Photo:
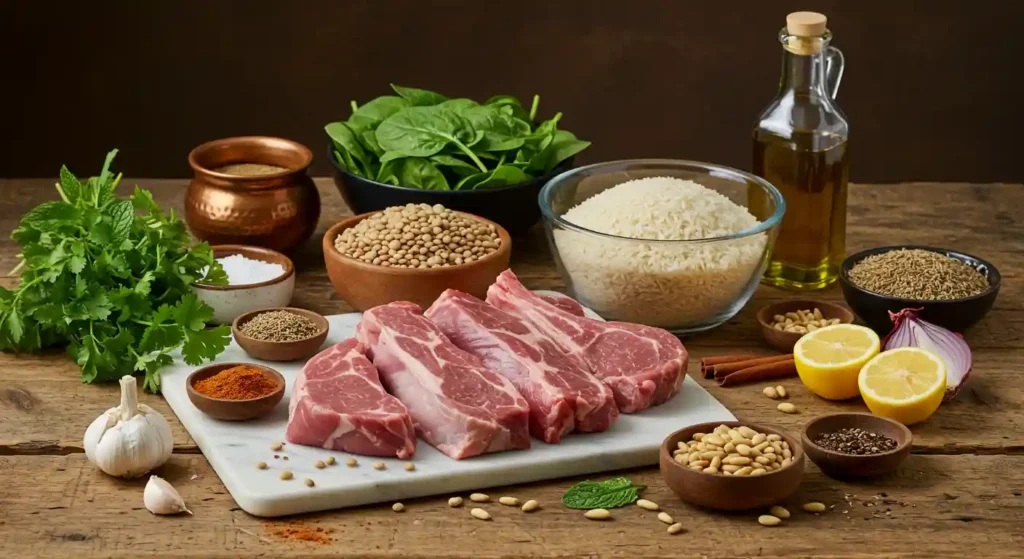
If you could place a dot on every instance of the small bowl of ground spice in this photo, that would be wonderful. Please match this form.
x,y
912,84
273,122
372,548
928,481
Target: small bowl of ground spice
x,y
952,289
847,445
280,333
235,391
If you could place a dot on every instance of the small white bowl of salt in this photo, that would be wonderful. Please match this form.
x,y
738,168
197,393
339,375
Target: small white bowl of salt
x,y
257,278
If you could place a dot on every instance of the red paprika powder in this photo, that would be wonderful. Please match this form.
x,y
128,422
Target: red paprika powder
x,y
242,382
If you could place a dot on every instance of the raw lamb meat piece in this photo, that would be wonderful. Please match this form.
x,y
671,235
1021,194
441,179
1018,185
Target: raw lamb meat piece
x,y
644,366
562,393
338,403
456,404
566,303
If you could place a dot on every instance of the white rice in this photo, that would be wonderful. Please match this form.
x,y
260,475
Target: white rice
x,y
671,285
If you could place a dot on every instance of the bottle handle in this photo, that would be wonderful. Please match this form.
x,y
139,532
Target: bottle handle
x,y
834,63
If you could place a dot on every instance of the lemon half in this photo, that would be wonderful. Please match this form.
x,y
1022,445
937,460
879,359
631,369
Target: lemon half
x,y
905,384
829,359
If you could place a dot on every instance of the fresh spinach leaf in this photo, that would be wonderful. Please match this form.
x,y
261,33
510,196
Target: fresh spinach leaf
x,y
563,146
416,172
502,132
345,140
419,97
503,175
369,140
452,161
373,113
459,104
613,493
425,131
511,103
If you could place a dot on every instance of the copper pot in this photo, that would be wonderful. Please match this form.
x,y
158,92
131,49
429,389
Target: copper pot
x,y
278,211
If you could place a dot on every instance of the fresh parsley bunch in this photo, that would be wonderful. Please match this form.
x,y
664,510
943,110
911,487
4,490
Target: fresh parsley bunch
x,y
421,139
110,278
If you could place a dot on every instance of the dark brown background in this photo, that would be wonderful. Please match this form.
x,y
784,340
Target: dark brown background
x,y
932,89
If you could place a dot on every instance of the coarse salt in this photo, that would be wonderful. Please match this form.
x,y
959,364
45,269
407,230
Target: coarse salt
x,y
242,270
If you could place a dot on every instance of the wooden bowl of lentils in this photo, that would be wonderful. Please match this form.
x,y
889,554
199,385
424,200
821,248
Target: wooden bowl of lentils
x,y
953,290
413,253
280,333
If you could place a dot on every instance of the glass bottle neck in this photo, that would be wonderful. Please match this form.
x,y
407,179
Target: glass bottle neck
x,y
804,73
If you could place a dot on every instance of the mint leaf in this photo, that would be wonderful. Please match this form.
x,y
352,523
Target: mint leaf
x,y
70,186
613,493
122,214
105,182
49,214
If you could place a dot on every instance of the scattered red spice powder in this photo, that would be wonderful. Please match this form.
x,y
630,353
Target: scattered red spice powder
x,y
298,532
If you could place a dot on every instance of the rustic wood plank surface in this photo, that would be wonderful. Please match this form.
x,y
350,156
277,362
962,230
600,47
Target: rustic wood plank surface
x,y
962,488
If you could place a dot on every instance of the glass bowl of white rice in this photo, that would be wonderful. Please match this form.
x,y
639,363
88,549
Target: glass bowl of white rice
x,y
676,244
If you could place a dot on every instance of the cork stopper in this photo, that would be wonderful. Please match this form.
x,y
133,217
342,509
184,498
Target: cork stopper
x,y
806,24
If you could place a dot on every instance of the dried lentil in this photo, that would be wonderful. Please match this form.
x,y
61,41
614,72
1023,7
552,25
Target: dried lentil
x,y
418,236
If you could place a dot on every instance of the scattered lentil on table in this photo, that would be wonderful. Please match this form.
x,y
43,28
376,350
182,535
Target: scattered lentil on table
x,y
241,382
418,236
852,440
918,274
279,326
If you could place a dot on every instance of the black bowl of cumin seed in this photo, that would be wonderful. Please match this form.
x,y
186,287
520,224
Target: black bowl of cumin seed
x,y
953,289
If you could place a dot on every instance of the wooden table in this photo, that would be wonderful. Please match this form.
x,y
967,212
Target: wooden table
x,y
959,494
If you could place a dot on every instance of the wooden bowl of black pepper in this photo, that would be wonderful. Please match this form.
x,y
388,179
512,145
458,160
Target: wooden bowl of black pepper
x,y
953,297
280,333
853,445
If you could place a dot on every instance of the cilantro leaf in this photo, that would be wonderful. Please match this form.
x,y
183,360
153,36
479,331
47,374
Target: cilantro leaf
x,y
13,326
191,313
205,344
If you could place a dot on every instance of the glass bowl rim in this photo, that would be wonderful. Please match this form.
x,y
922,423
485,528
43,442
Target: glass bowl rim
x,y
710,168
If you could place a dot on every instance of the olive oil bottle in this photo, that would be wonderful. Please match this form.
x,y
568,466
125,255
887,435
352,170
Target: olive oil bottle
x,y
801,147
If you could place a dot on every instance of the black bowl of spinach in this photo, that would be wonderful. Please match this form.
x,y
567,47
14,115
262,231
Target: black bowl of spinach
x,y
489,159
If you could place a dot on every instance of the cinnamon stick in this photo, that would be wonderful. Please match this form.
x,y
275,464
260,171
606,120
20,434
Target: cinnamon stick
x,y
757,373
727,369
707,365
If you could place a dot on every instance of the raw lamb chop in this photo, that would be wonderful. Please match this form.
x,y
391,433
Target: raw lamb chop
x,y
338,403
644,366
456,404
566,303
562,393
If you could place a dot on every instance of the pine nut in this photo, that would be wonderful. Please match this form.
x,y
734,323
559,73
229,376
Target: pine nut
x,y
480,514
701,463
598,514
743,449
736,461
773,437
730,469
712,454
780,512
682,459
758,471
716,463
762,460
666,518
747,432
714,439
509,501
682,446
814,507
744,471
781,391
455,502
770,392
786,407
479,498
530,506
675,528
277,446
758,439
398,507
697,437
787,454
762,446
768,520
647,505
729,447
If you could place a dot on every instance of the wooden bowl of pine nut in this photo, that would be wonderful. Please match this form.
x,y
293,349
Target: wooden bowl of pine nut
x,y
803,315
744,487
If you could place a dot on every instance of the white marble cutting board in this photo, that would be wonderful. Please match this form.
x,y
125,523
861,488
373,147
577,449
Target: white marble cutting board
x,y
234,449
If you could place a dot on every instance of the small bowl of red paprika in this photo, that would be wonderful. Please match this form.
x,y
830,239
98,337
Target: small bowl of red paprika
x,y
235,391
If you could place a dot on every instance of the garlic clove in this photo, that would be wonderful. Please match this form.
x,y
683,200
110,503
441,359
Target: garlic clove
x,y
160,497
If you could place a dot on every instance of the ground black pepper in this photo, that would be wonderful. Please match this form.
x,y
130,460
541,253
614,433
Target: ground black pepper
x,y
855,441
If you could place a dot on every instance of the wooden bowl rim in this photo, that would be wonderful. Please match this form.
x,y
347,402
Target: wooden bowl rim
x,y
193,378
908,436
331,252
846,318
320,320
254,253
794,446
993,276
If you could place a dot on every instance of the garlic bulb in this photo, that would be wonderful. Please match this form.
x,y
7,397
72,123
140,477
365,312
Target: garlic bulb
x,y
160,497
131,439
